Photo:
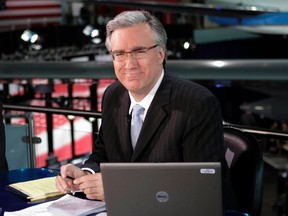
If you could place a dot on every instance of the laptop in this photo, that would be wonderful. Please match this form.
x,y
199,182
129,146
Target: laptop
x,y
168,189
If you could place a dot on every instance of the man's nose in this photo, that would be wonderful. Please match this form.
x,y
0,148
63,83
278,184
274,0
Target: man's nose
x,y
129,55
130,60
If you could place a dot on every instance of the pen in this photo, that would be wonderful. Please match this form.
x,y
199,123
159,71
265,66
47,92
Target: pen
x,y
57,172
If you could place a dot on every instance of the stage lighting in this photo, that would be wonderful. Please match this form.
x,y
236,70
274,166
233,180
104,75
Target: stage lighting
x,y
90,31
29,36
96,40
32,40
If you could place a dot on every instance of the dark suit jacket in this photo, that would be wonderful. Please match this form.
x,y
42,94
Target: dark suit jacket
x,y
182,124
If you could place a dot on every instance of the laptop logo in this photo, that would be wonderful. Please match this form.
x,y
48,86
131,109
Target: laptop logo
x,y
162,196
207,171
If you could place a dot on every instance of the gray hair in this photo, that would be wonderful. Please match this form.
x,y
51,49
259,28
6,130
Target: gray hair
x,y
130,18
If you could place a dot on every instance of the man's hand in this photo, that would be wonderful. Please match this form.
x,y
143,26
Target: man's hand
x,y
65,184
91,185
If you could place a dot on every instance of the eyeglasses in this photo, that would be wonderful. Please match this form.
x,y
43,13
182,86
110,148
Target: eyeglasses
x,y
136,54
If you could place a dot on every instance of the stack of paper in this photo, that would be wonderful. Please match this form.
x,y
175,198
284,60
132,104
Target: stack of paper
x,y
67,205
36,190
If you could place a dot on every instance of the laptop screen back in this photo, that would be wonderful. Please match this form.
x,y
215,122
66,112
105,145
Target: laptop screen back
x,y
170,189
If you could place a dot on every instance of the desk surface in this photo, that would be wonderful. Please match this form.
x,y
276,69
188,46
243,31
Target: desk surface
x,y
10,201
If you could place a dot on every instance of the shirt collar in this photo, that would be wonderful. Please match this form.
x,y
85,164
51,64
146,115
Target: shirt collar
x,y
145,103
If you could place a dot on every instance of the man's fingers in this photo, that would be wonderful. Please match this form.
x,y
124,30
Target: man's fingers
x,y
61,185
65,185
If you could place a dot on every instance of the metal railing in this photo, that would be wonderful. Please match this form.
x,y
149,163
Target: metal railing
x,y
31,139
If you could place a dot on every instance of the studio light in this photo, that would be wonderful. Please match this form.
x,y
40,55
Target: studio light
x,y
32,39
92,33
96,40
186,45
29,36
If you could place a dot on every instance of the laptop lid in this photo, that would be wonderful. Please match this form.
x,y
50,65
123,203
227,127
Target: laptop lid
x,y
170,189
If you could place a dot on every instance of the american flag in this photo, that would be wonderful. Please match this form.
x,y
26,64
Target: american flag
x,y
17,14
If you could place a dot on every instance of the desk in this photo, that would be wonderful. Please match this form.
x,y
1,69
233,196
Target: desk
x,y
10,201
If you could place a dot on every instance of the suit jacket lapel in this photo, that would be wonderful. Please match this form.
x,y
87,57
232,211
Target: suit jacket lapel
x,y
124,127
155,115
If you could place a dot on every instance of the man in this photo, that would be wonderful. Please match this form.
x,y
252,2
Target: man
x,y
181,120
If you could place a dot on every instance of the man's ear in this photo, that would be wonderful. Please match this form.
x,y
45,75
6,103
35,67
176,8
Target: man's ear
x,y
161,55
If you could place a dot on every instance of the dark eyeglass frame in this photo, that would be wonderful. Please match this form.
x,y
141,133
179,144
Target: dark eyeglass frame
x,y
136,54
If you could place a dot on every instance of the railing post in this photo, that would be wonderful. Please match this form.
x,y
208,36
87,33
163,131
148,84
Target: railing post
x,y
52,159
71,120
94,101
31,142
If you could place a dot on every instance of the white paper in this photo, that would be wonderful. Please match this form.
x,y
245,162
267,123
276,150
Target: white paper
x,y
65,206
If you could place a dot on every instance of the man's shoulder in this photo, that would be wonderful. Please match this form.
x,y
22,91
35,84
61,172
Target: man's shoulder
x,y
115,91
186,86
115,87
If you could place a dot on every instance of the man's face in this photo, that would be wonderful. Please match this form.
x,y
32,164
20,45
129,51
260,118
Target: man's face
x,y
137,75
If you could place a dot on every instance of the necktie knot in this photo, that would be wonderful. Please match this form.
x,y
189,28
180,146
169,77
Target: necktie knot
x,y
137,110
136,123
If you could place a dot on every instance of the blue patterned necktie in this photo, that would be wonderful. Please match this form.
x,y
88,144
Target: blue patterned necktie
x,y
136,123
